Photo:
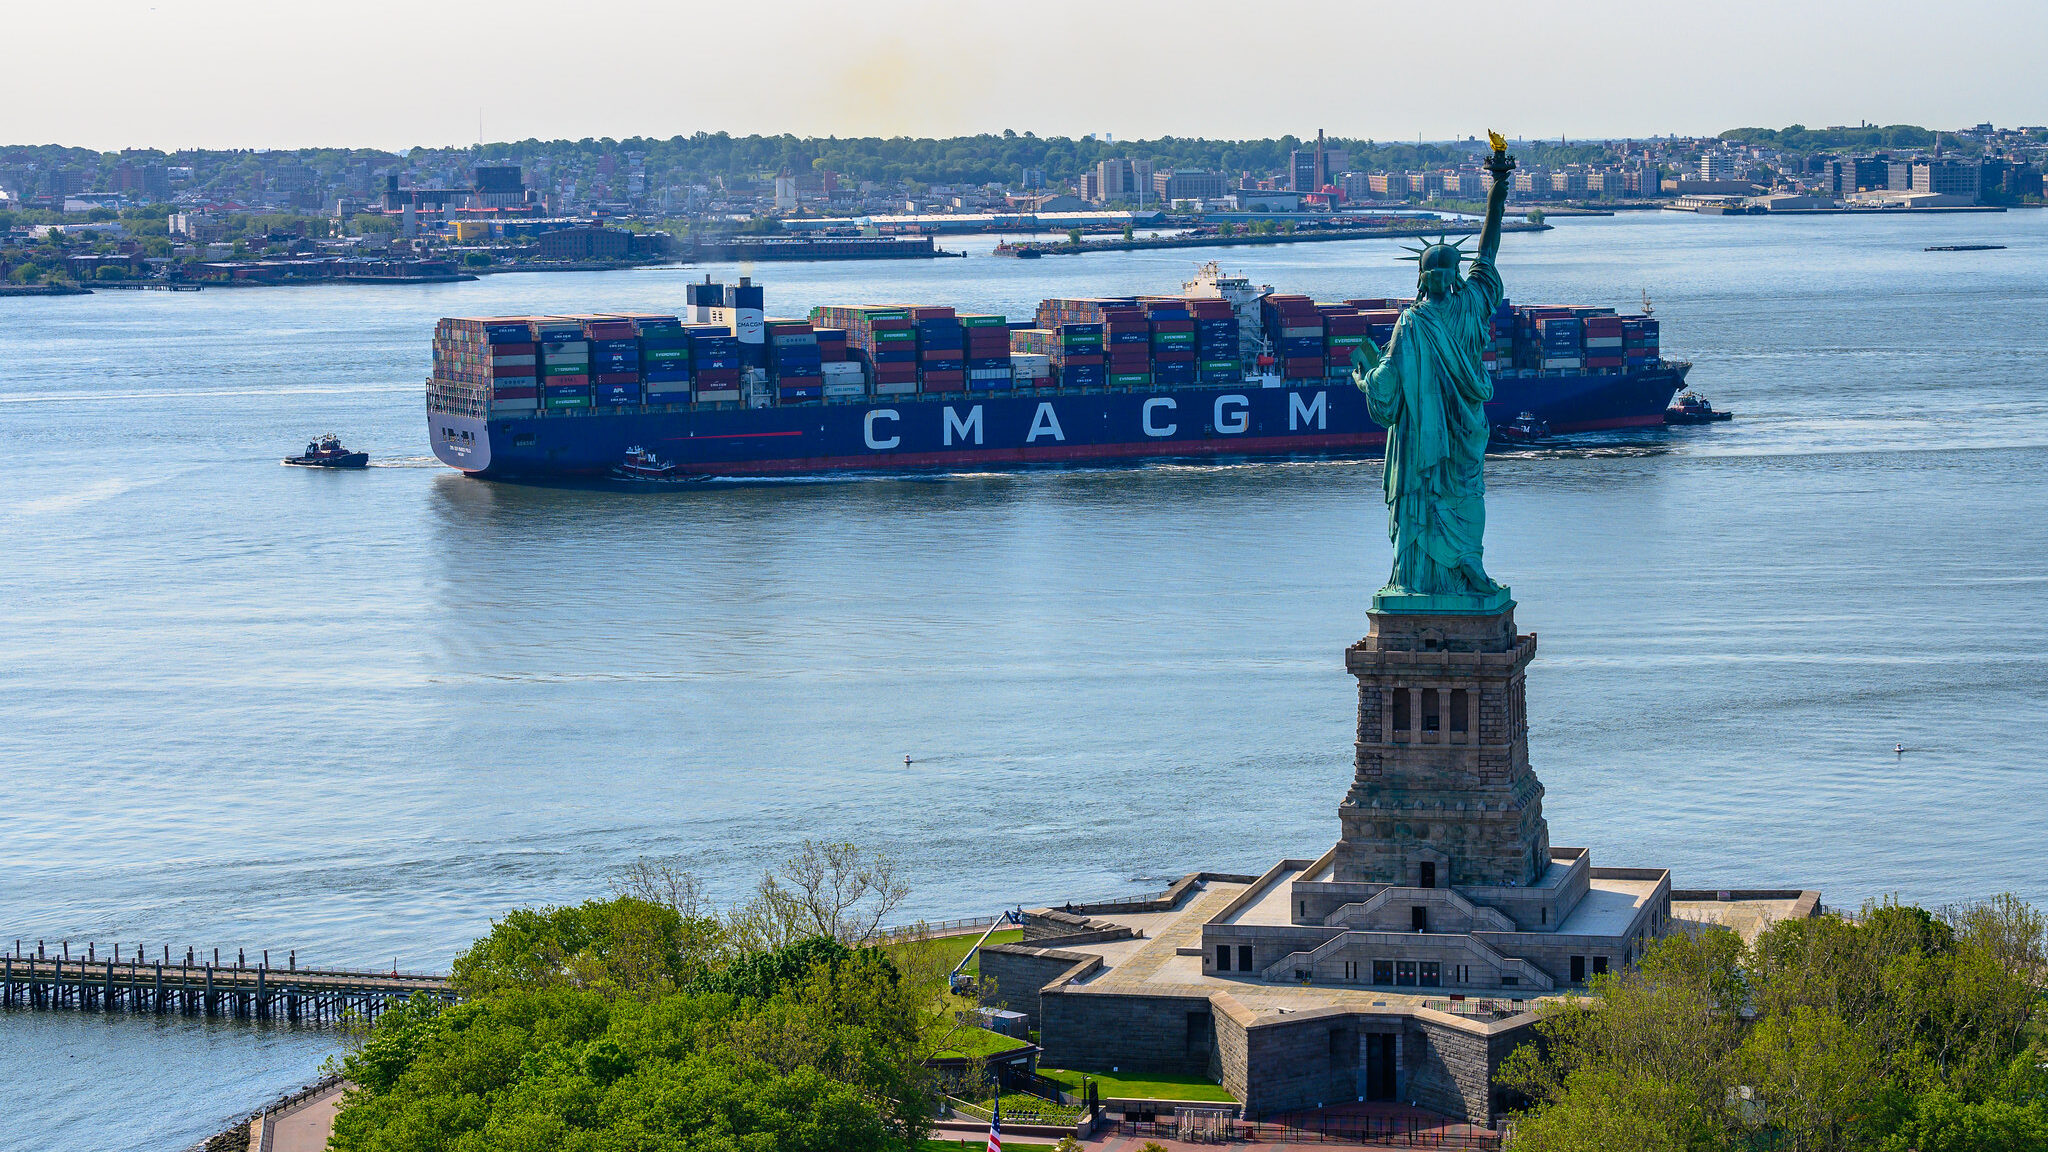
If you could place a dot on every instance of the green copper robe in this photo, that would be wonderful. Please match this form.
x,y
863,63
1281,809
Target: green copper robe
x,y
1430,393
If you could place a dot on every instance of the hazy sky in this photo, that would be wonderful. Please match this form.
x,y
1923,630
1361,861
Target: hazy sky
x,y
234,73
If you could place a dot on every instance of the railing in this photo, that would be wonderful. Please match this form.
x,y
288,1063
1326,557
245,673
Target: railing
x,y
937,928
1366,1131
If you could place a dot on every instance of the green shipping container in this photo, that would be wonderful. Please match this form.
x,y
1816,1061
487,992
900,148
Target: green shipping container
x,y
896,334
1347,341
1219,365
668,354
1131,379
568,401
983,321
1173,339
579,368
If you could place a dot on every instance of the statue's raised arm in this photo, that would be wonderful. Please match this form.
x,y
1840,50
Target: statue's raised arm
x,y
1499,163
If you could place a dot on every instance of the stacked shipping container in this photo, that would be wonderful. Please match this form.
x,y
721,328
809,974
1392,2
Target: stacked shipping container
x,y
521,364
494,355
880,339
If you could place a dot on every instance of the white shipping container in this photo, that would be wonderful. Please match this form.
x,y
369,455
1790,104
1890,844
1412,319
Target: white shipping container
x,y
1591,342
1300,333
796,339
988,373
841,391
716,395
512,361
571,347
897,388
526,405
1021,361
842,370
1564,362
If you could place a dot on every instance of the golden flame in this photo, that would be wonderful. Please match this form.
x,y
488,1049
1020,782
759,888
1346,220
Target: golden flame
x,y
1498,141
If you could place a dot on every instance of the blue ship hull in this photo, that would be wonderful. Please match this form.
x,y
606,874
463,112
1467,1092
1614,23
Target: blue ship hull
x,y
984,431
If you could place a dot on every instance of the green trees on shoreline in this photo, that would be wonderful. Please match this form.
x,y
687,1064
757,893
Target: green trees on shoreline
x,y
1896,1030
651,1021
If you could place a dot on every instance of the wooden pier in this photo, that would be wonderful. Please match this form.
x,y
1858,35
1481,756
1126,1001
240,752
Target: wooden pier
x,y
189,987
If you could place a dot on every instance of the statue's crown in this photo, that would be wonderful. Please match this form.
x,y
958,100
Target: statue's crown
x,y
1444,253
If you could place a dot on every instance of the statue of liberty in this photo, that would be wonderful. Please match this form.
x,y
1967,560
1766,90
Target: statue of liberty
x,y
1429,390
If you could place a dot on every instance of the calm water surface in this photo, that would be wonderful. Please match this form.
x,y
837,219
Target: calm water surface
x,y
359,715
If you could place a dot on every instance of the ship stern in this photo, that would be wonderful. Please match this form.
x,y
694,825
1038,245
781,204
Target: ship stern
x,y
462,442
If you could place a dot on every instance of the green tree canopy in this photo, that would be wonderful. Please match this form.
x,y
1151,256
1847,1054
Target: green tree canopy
x,y
1895,1031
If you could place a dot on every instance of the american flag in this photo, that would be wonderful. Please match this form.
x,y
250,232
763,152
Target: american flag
x,y
995,1127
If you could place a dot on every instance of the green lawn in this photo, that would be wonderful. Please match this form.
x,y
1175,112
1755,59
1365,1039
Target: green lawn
x,y
978,1145
1155,1087
952,948
967,1042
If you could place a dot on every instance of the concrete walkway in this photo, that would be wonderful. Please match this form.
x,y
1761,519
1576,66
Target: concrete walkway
x,y
305,1126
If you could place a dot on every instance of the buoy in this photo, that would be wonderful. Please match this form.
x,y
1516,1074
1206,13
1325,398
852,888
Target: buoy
x,y
1899,748
906,760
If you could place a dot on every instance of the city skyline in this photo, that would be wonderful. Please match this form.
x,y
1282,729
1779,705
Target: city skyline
x,y
170,75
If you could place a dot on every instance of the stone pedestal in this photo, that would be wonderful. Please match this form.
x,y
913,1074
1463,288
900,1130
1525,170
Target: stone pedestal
x,y
1443,795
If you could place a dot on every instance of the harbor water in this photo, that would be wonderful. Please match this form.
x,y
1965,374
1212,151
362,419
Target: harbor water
x,y
358,715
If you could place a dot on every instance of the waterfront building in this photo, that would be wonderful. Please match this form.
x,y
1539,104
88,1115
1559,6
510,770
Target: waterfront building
x,y
1948,177
1187,184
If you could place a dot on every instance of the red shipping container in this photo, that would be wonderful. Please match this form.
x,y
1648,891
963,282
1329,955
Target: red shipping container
x,y
569,381
1173,355
514,349
930,385
511,370
617,378
931,312
894,373
1603,361
706,378
1173,325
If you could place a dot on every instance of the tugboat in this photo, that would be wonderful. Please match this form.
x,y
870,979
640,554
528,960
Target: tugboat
x,y
1692,408
643,466
327,452
1523,429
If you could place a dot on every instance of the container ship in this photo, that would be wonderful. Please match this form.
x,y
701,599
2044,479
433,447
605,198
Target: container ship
x,y
1222,370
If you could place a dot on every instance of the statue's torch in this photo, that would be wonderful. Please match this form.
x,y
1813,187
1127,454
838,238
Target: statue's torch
x,y
1500,163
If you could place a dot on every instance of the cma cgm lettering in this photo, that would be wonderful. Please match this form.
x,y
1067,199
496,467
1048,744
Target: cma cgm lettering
x,y
923,433
883,388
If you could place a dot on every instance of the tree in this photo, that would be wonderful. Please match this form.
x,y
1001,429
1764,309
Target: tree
x,y
839,890
1074,236
1129,232
622,946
